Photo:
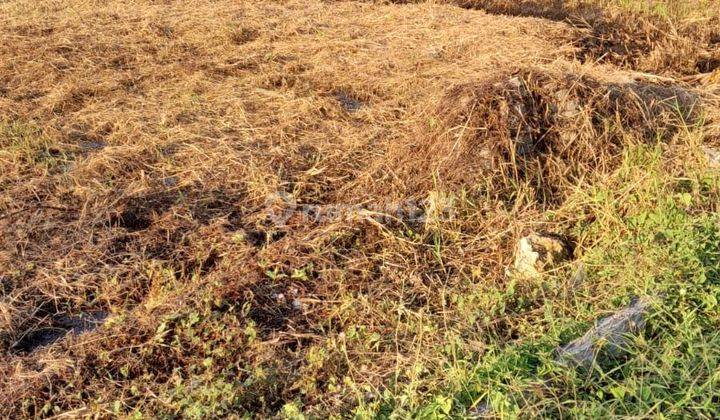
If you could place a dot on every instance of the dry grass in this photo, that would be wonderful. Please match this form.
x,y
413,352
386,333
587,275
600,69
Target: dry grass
x,y
140,145
546,129
656,36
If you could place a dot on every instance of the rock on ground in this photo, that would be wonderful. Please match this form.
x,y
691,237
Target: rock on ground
x,y
608,338
537,253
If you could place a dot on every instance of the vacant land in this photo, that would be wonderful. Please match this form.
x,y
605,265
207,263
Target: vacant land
x,y
313,208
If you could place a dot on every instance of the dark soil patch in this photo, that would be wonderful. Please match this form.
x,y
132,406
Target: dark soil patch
x,y
273,307
348,103
58,327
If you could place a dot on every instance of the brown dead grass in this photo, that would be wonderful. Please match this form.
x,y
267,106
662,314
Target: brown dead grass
x,y
543,128
657,36
140,144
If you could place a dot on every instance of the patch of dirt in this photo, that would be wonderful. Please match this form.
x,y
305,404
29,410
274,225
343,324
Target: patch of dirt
x,y
708,65
57,328
348,103
272,307
243,35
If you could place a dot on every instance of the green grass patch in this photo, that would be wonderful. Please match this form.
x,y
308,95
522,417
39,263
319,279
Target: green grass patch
x,y
652,234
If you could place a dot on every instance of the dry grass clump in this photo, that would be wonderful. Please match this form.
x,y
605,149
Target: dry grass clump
x,y
658,37
543,128
655,36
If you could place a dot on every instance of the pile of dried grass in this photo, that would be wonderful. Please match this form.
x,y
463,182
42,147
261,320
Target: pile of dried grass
x,y
674,38
541,127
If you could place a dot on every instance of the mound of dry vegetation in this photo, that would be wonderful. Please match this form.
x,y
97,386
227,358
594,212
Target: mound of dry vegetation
x,y
262,207
653,36
544,128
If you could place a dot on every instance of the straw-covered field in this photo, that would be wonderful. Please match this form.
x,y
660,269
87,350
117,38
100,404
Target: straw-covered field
x,y
312,209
